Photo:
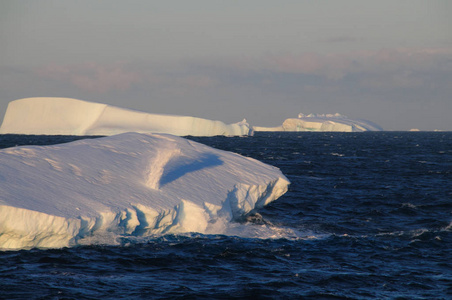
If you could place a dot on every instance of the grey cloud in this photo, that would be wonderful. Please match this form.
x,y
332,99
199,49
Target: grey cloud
x,y
344,39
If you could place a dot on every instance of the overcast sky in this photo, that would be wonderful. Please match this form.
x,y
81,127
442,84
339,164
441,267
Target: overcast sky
x,y
389,62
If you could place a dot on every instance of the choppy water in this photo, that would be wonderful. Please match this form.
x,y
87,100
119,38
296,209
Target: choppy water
x,y
367,216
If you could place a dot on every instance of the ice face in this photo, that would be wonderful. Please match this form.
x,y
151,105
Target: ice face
x,y
76,117
128,184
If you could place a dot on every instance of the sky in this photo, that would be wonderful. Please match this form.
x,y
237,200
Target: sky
x,y
387,61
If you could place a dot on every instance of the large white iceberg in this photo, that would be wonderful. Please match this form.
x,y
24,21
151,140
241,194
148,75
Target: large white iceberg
x,y
323,122
129,184
65,116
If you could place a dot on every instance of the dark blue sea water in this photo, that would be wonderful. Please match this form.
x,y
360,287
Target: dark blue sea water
x,y
369,216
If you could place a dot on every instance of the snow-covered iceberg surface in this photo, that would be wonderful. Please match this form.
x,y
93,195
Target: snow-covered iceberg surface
x,y
323,122
65,116
129,184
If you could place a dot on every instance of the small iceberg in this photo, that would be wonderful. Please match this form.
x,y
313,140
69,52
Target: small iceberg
x,y
323,122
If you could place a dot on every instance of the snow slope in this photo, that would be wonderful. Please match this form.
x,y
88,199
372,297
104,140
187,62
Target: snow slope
x,y
129,184
323,122
67,116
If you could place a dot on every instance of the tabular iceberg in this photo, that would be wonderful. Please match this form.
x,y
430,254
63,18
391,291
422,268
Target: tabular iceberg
x,y
129,184
65,116
323,122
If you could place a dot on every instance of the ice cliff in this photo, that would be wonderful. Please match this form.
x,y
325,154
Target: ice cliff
x,y
129,184
65,116
323,122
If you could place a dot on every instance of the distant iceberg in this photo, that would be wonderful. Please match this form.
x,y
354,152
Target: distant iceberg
x,y
323,122
65,116
129,184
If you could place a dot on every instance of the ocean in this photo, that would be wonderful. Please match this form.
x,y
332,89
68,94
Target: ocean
x,y
367,216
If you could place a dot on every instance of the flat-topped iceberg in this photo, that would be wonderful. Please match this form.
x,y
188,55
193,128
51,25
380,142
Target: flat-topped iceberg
x,y
65,116
323,122
129,184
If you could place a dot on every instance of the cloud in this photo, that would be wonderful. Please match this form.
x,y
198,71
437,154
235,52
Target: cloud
x,y
103,78
344,39
93,77
405,80
395,67
384,68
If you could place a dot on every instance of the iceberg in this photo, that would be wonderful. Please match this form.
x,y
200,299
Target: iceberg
x,y
323,122
129,184
66,116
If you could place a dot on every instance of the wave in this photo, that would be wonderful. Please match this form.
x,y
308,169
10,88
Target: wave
x,y
221,227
